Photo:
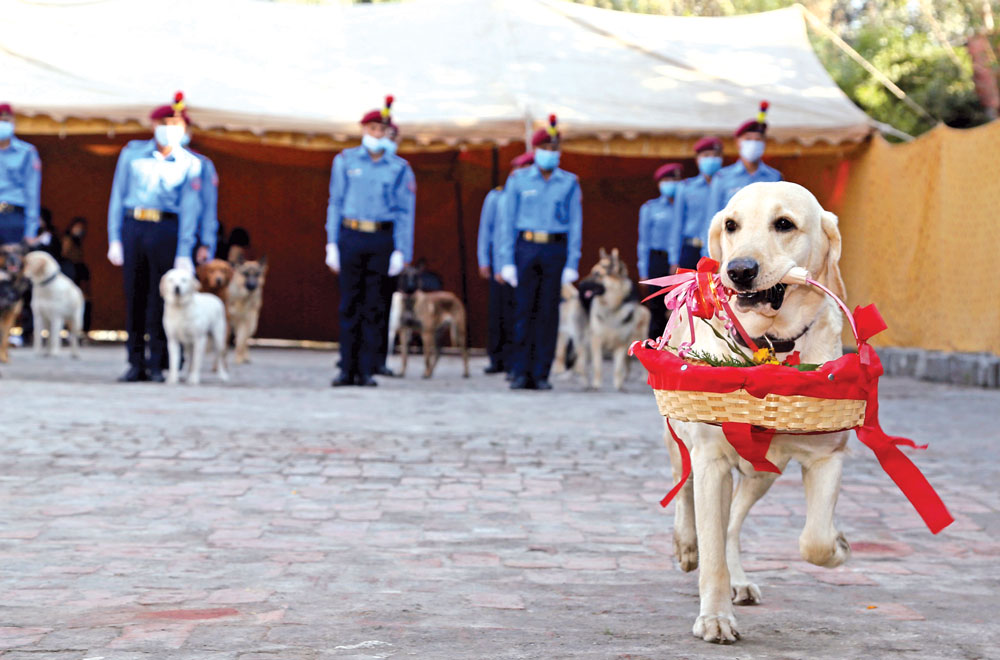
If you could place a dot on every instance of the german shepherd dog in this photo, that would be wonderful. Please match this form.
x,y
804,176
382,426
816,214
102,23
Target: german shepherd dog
x,y
427,312
13,286
243,303
616,317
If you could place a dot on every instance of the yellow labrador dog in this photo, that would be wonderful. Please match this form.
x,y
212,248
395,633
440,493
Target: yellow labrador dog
x,y
190,319
56,302
764,231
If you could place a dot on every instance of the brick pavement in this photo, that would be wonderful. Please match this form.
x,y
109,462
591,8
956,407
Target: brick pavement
x,y
278,519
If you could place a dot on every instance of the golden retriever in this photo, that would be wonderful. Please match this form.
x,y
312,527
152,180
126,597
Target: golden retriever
x,y
764,231
56,302
214,277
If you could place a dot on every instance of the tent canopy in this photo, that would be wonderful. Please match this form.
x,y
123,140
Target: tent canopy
x,y
462,71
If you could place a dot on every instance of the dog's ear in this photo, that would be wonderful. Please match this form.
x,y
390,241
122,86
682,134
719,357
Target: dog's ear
x,y
715,236
263,262
614,254
602,253
830,275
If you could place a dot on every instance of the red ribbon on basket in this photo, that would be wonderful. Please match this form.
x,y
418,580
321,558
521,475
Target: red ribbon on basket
x,y
853,376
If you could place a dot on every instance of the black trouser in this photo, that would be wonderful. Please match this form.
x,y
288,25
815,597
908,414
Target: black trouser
x,y
690,254
500,324
149,250
536,315
659,266
364,262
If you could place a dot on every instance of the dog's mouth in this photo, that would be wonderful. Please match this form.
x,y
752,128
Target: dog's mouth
x,y
774,297
590,288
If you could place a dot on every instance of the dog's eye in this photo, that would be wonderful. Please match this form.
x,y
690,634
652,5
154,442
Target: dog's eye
x,y
783,224
731,226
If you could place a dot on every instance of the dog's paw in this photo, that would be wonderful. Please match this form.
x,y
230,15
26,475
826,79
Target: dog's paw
x,y
746,594
686,554
827,555
718,629
224,376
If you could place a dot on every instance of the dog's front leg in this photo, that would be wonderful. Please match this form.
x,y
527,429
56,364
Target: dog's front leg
x,y
173,360
621,368
596,359
430,351
685,536
820,542
713,484
55,336
39,322
197,354
405,334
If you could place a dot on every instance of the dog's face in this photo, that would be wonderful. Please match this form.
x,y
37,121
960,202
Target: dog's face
x,y
177,286
409,279
252,274
39,266
215,274
609,273
765,230
12,258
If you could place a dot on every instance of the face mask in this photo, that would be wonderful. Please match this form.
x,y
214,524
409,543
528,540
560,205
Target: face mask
x,y
372,144
169,135
186,140
668,188
709,165
751,150
389,146
6,130
546,160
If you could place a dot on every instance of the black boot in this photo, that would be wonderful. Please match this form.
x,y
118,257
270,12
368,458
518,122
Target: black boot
x,y
134,375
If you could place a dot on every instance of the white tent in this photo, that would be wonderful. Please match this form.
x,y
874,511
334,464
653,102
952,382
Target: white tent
x,y
462,71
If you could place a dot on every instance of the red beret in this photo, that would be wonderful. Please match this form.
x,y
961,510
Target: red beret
x,y
527,158
751,125
164,111
707,143
5,109
542,136
667,170
373,116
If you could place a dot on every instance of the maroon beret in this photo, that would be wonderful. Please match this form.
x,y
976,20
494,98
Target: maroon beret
x,y
707,143
527,158
751,126
5,109
667,170
542,136
164,111
373,116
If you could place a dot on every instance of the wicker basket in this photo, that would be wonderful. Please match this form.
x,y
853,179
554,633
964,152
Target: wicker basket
x,y
802,414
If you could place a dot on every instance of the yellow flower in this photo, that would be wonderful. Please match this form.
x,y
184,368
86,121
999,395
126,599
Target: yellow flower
x,y
764,356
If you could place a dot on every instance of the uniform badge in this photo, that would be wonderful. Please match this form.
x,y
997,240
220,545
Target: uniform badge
x,y
196,184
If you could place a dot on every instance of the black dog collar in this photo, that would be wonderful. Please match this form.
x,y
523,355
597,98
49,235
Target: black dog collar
x,y
778,345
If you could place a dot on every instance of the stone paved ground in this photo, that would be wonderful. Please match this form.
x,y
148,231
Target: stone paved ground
x,y
277,519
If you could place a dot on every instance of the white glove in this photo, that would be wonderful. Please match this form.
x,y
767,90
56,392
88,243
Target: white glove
x,y
509,274
184,263
395,263
569,276
115,254
333,257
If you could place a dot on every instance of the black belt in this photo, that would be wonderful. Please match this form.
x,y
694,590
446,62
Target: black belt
x,y
659,252
150,215
542,236
367,226
6,207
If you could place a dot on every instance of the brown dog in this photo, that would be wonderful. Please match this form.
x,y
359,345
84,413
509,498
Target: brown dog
x,y
12,289
245,297
215,276
426,312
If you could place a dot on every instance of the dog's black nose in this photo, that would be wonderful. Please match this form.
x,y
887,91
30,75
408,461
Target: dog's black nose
x,y
177,290
251,286
742,272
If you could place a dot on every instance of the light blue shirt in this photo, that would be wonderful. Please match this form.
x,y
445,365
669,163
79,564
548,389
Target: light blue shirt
x,y
383,190
146,179
727,182
691,202
21,181
208,221
488,228
659,229
534,204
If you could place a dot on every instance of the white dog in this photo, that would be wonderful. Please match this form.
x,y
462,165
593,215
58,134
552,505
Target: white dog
x,y
56,302
189,319
765,230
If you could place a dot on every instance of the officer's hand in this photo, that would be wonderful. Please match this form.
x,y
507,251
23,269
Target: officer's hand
x,y
396,263
498,278
115,254
184,263
201,255
333,257
509,274
569,276
484,272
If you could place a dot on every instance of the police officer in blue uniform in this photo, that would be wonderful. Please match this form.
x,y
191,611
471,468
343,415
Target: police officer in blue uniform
x,y
539,251
691,204
20,183
750,138
208,220
659,235
495,340
369,227
152,219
